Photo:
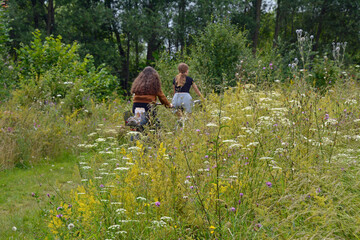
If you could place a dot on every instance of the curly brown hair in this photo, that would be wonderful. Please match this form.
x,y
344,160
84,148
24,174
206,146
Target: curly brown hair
x,y
147,82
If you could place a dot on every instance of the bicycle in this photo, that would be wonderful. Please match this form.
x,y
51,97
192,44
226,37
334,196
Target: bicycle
x,y
138,120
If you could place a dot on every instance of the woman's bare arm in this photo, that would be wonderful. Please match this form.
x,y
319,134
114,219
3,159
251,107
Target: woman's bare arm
x,y
197,91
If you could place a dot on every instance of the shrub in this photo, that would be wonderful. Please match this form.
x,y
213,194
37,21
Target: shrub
x,y
6,64
216,53
52,71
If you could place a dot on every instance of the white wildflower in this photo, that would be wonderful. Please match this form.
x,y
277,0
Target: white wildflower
x,y
122,168
112,227
100,140
247,108
225,118
134,148
265,99
235,145
253,144
165,218
160,223
120,210
70,226
131,133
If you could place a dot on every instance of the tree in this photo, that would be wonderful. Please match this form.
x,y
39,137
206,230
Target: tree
x,y
216,53
257,4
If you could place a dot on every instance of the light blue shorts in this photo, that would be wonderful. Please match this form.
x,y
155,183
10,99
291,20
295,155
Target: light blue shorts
x,y
182,100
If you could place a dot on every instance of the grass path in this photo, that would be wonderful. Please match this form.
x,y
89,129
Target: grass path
x,y
18,208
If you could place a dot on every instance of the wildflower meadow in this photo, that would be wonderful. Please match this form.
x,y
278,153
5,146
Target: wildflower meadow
x,y
252,163
271,152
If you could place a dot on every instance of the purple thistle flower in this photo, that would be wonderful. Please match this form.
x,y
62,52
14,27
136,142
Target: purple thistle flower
x,y
102,185
233,209
241,194
48,195
59,215
206,156
239,201
269,184
198,130
33,194
157,204
69,206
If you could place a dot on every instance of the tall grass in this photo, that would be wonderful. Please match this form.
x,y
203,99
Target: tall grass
x,y
36,131
254,163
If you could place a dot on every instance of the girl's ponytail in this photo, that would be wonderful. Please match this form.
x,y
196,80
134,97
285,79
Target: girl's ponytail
x,y
180,79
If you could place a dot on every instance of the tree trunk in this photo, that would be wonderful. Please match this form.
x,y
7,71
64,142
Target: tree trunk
x,y
181,35
50,18
277,23
153,39
257,26
127,73
320,22
136,54
153,46
123,62
35,14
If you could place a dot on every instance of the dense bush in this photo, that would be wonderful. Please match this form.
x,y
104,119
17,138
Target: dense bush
x,y
6,64
51,71
216,53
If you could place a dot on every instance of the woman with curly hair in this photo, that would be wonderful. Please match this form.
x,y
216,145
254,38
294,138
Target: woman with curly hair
x,y
146,87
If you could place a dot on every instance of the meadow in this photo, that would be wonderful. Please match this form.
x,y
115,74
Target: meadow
x,y
275,161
